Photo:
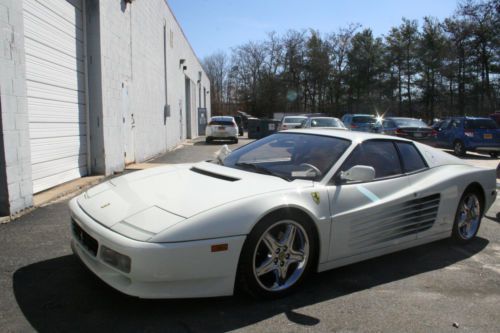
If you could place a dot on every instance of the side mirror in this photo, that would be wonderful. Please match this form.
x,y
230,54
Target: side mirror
x,y
358,173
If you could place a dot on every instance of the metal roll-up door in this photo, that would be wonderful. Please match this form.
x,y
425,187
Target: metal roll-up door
x,y
55,79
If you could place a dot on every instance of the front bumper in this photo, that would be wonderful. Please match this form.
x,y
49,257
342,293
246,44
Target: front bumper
x,y
160,270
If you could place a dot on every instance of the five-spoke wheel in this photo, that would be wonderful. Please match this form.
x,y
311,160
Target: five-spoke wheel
x,y
467,218
277,256
281,255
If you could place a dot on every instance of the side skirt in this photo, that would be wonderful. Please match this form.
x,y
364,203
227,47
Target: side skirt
x,y
380,252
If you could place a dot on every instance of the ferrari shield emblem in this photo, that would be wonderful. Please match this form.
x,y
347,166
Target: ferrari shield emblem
x,y
316,198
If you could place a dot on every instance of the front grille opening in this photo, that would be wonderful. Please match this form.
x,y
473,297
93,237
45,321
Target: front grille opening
x,y
87,241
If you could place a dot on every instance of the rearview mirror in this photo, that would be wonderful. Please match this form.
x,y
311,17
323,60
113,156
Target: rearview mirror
x,y
358,173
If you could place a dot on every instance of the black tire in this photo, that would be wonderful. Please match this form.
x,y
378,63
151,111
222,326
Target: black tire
x,y
235,140
247,280
208,140
494,155
459,234
459,148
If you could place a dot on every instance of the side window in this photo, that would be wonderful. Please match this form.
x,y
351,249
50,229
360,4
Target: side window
x,y
412,160
379,154
445,124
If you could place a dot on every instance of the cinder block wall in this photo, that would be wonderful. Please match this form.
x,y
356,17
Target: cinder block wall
x,y
132,54
15,178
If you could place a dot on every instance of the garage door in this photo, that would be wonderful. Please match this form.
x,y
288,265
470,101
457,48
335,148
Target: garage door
x,y
53,31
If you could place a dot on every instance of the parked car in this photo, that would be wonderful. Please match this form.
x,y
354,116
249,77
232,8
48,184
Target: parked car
x,y
222,128
323,122
409,128
269,213
359,122
289,122
464,134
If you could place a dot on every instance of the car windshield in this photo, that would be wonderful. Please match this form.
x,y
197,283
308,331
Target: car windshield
x,y
409,122
480,124
325,122
295,120
364,119
289,155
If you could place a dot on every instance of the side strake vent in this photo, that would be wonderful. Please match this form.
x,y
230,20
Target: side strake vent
x,y
214,175
396,221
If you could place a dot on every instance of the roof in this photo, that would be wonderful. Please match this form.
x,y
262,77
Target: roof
x,y
223,117
323,118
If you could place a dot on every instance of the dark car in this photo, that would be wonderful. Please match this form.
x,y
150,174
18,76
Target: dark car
x,y
496,117
359,122
239,122
409,128
464,134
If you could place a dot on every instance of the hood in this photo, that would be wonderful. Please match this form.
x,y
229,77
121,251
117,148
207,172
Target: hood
x,y
154,199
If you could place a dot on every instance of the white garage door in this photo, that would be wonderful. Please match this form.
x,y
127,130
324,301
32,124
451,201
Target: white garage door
x,y
54,43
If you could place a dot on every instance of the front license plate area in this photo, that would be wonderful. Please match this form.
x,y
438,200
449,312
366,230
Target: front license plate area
x,y
488,136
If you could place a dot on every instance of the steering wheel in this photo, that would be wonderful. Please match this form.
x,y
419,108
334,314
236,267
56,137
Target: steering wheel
x,y
313,167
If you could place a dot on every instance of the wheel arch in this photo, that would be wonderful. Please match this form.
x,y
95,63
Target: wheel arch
x,y
291,211
477,188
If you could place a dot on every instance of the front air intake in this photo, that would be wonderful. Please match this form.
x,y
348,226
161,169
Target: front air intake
x,y
214,175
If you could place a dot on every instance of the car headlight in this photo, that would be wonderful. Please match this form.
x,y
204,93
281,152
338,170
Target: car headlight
x,y
115,259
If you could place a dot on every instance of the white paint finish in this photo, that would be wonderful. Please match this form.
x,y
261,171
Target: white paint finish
x,y
221,211
55,91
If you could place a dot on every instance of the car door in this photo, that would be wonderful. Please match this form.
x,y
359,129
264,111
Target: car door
x,y
444,134
431,191
371,215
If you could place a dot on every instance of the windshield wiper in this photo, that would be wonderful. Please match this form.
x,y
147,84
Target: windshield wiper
x,y
262,170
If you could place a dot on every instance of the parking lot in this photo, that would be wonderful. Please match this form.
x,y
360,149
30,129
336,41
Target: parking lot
x,y
438,287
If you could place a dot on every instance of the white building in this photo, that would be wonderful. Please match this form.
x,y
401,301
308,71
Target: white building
x,y
87,86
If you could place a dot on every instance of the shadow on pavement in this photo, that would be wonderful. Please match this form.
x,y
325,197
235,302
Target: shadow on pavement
x,y
61,295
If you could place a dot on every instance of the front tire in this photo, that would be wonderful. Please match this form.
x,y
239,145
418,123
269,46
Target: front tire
x,y
208,140
235,140
459,148
467,218
277,256
494,155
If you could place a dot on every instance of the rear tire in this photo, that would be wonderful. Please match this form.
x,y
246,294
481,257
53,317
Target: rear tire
x,y
467,218
208,140
277,256
494,155
235,140
459,148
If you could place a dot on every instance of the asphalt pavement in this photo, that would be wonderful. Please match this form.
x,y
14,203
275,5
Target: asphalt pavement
x,y
438,287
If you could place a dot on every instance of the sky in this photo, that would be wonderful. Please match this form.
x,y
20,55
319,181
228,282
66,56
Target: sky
x,y
213,25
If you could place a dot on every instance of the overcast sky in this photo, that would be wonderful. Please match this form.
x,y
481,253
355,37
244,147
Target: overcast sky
x,y
212,25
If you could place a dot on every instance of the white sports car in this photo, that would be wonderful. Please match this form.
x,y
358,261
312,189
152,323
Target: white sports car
x,y
271,212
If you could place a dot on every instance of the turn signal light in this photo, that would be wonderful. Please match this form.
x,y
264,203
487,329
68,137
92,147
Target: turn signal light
x,y
115,259
220,247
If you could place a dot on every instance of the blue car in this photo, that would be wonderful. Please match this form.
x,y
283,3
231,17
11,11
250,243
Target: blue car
x,y
359,122
464,134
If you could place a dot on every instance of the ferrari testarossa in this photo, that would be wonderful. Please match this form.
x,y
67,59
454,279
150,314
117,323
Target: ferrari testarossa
x,y
269,213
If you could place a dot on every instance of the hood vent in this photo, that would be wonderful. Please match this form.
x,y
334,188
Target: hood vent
x,y
214,175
